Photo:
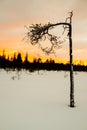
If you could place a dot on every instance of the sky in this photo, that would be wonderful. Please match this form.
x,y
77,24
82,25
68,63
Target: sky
x,y
15,14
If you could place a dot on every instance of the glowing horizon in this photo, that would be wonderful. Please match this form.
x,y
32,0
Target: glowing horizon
x,y
31,57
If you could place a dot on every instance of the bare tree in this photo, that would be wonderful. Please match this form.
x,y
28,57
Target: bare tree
x,y
38,32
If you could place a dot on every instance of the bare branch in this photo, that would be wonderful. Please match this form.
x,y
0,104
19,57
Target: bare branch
x,y
68,20
36,33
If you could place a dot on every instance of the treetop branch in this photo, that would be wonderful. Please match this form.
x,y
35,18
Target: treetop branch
x,y
39,32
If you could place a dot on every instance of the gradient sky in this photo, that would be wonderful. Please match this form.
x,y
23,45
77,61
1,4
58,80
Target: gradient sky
x,y
14,14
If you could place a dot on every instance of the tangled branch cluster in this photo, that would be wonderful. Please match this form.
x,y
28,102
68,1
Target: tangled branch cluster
x,y
39,32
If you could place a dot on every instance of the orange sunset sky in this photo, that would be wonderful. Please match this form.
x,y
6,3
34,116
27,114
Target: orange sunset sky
x,y
14,14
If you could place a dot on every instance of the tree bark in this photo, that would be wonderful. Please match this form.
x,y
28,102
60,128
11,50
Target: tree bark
x,y
71,69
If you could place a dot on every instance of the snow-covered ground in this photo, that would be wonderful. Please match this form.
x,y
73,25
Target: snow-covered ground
x,y
40,101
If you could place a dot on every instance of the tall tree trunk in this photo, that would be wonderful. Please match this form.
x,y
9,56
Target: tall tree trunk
x,y
71,69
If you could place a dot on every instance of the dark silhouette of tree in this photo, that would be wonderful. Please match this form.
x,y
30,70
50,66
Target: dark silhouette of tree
x,y
16,63
26,58
39,32
26,62
19,60
39,60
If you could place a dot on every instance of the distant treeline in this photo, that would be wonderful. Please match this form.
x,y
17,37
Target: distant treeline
x,y
17,63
